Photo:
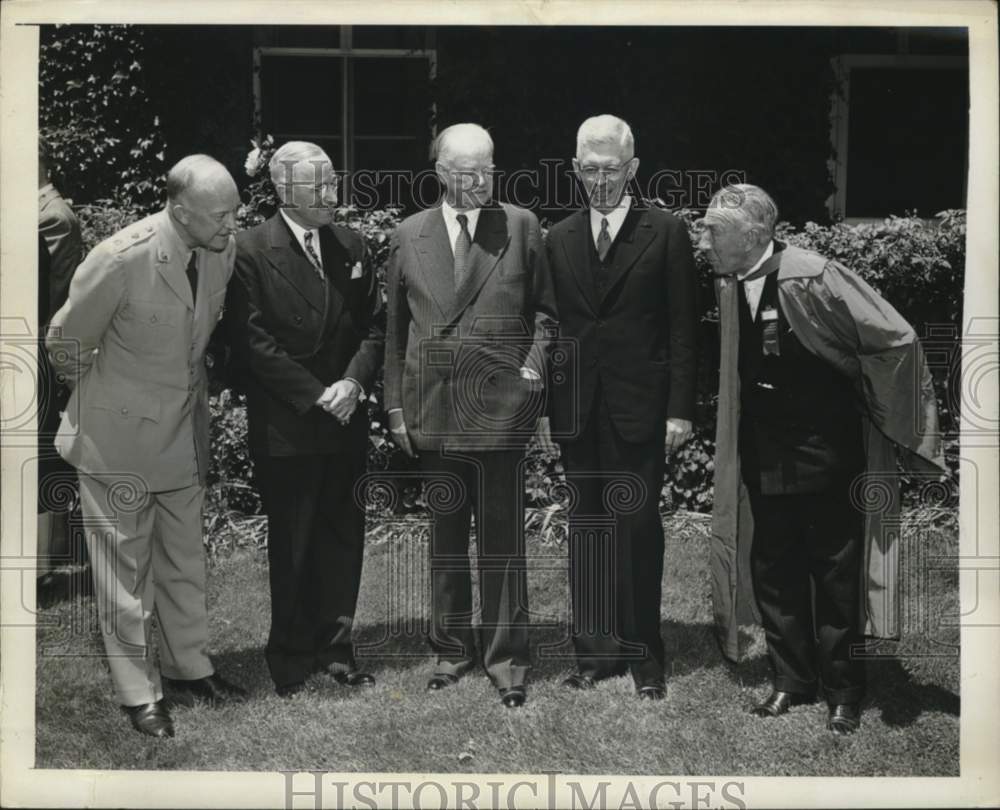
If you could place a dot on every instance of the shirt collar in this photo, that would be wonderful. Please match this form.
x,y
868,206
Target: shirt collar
x,y
615,217
451,217
768,252
176,246
297,230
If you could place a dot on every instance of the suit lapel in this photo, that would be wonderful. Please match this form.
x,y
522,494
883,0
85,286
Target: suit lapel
x,y
287,258
576,246
488,246
436,260
337,270
634,237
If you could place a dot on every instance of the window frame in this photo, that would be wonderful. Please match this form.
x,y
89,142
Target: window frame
x,y
840,103
347,53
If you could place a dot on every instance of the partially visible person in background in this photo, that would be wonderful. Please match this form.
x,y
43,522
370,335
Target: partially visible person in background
x,y
60,250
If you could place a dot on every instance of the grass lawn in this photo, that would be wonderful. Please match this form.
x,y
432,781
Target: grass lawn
x,y
910,724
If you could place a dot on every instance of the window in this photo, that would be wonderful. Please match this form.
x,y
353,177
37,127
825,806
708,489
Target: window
x,y
900,134
369,107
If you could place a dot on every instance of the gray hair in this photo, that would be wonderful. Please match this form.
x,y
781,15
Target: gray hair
x,y
290,153
442,146
746,204
188,170
605,130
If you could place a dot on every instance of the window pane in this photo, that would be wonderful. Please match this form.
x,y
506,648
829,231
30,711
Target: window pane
x,y
301,96
903,151
393,172
391,96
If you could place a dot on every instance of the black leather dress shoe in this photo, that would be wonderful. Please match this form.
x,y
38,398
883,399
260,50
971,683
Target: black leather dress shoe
x,y
442,680
151,718
214,690
354,678
579,681
778,703
652,691
290,690
845,718
513,697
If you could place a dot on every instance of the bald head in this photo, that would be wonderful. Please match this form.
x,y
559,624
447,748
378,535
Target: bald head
x,y
203,202
463,140
197,174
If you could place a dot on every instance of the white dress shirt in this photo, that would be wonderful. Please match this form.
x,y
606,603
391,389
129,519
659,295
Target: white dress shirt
x,y
300,235
451,223
754,289
616,218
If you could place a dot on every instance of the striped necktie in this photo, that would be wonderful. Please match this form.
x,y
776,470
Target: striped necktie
x,y
313,256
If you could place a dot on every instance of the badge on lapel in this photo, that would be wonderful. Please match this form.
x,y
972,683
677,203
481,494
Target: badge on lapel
x,y
356,271
770,343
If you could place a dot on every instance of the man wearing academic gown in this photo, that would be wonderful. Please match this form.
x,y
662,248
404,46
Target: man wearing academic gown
x,y
822,387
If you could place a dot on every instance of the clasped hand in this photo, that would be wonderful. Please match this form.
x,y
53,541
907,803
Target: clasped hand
x,y
340,400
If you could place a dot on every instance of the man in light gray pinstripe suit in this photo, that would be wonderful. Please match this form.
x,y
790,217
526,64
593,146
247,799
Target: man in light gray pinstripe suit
x,y
470,315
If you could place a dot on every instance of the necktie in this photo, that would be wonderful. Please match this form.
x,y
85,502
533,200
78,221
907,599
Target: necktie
x,y
313,256
462,245
603,240
192,276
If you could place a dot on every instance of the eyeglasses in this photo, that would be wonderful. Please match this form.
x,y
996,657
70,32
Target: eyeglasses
x,y
480,173
591,172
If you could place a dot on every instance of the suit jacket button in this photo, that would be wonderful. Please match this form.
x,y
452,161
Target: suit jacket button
x,y
298,319
124,411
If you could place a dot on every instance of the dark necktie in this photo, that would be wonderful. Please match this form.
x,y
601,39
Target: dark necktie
x,y
192,274
313,256
462,245
603,240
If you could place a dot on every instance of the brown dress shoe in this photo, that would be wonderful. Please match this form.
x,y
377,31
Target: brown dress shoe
x,y
151,718
778,703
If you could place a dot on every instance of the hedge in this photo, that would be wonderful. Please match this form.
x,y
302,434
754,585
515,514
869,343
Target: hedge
x,y
915,264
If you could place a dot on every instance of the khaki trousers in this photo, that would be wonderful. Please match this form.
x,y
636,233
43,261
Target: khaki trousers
x,y
146,556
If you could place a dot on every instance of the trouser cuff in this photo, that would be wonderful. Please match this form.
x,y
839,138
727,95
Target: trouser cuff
x,y
851,694
785,684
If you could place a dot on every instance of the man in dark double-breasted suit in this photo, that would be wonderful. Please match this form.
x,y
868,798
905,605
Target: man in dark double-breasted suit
x,y
625,287
469,319
306,345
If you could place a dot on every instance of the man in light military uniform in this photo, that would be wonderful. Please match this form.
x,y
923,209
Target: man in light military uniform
x,y
131,342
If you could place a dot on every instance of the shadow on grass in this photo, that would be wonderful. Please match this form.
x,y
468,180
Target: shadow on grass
x,y
901,699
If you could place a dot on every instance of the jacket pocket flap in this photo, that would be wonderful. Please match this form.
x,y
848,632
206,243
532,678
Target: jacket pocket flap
x,y
129,405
